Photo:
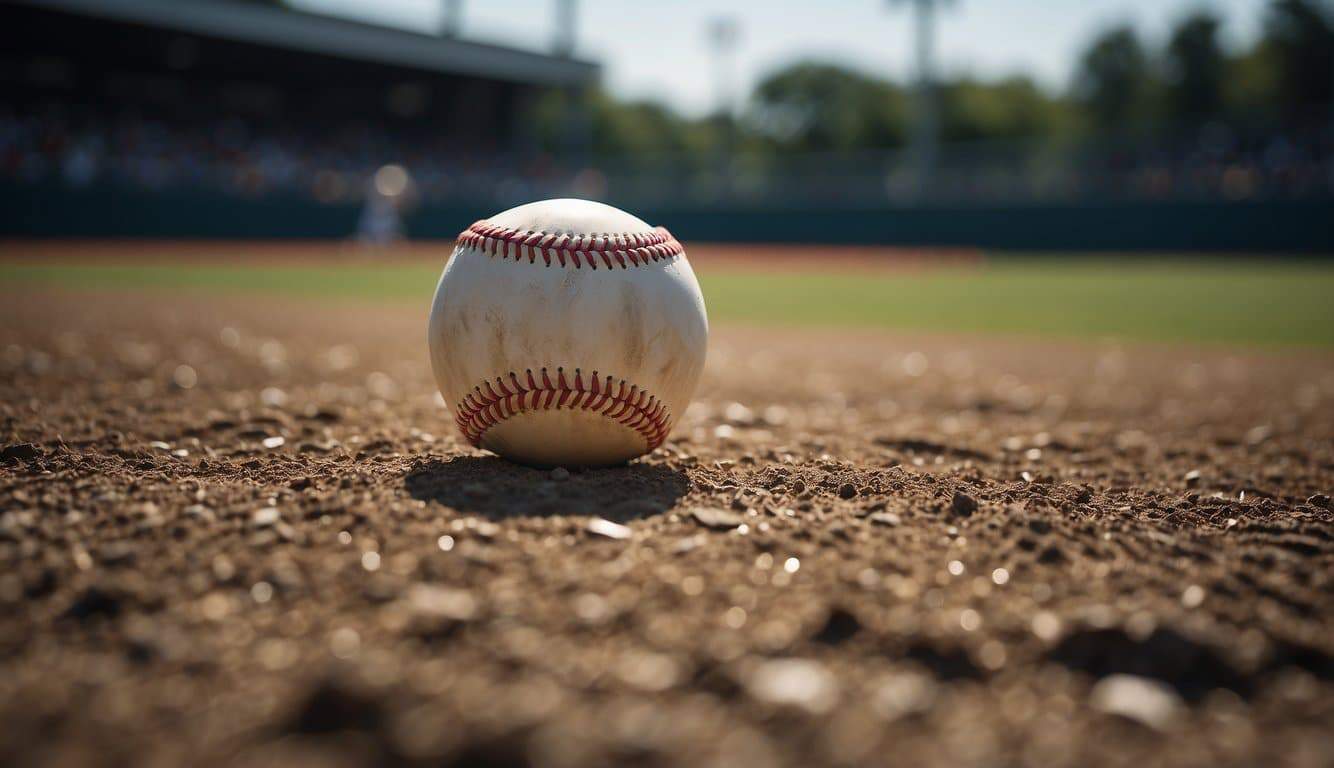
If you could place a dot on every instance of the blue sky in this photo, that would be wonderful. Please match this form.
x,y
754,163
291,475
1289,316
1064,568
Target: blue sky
x,y
659,50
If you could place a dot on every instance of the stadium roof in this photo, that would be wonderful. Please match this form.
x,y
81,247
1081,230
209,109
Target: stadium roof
x,y
281,28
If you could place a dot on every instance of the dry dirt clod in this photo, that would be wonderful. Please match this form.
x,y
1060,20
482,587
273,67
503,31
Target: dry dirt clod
x,y
13,454
962,504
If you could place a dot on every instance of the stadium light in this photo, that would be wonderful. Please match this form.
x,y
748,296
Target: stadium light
x,y
926,123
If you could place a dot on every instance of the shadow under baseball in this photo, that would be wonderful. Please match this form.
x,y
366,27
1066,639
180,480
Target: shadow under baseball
x,y
497,489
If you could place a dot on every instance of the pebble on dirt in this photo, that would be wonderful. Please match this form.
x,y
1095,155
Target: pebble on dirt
x,y
1147,701
800,683
714,517
607,528
885,518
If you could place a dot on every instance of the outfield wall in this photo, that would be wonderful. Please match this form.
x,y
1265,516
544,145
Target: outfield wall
x,y
1255,226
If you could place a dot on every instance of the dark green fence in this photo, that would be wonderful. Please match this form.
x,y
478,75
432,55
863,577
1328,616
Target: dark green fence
x,y
1280,226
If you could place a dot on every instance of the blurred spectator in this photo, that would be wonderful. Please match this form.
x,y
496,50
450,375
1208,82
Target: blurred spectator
x,y
333,164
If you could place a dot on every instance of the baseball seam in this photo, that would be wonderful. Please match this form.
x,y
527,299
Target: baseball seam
x,y
610,250
617,399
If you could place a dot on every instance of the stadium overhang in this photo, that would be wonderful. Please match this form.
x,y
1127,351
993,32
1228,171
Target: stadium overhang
x,y
285,29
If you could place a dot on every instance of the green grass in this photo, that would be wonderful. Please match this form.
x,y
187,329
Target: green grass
x,y
1193,300
1180,300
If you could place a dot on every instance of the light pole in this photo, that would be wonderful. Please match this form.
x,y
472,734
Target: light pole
x,y
565,28
926,122
723,33
451,18
578,125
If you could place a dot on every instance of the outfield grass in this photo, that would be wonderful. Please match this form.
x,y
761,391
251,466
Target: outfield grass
x,y
1197,300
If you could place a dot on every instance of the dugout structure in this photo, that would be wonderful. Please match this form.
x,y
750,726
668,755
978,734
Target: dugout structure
x,y
205,61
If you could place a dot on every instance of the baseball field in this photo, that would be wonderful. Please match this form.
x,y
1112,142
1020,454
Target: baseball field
x,y
926,509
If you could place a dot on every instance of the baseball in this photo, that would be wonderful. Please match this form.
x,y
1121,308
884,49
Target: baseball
x,y
567,333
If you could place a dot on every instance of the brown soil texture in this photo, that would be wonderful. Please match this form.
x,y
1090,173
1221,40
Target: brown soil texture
x,y
243,532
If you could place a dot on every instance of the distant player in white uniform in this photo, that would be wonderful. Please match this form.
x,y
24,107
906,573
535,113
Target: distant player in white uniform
x,y
387,195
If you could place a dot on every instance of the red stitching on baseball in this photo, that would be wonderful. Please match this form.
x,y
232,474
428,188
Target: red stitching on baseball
x,y
489,405
602,249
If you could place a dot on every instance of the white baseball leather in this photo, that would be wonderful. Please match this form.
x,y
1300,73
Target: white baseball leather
x,y
537,300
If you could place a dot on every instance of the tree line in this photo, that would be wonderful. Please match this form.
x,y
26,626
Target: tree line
x,y
1121,87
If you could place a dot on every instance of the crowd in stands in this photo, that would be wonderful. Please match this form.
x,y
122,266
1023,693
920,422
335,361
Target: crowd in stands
x,y
330,164
333,163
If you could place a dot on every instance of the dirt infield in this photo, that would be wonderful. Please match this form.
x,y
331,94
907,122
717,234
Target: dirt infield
x,y
242,532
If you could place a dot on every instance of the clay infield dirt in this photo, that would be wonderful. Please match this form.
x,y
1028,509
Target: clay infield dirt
x,y
243,532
